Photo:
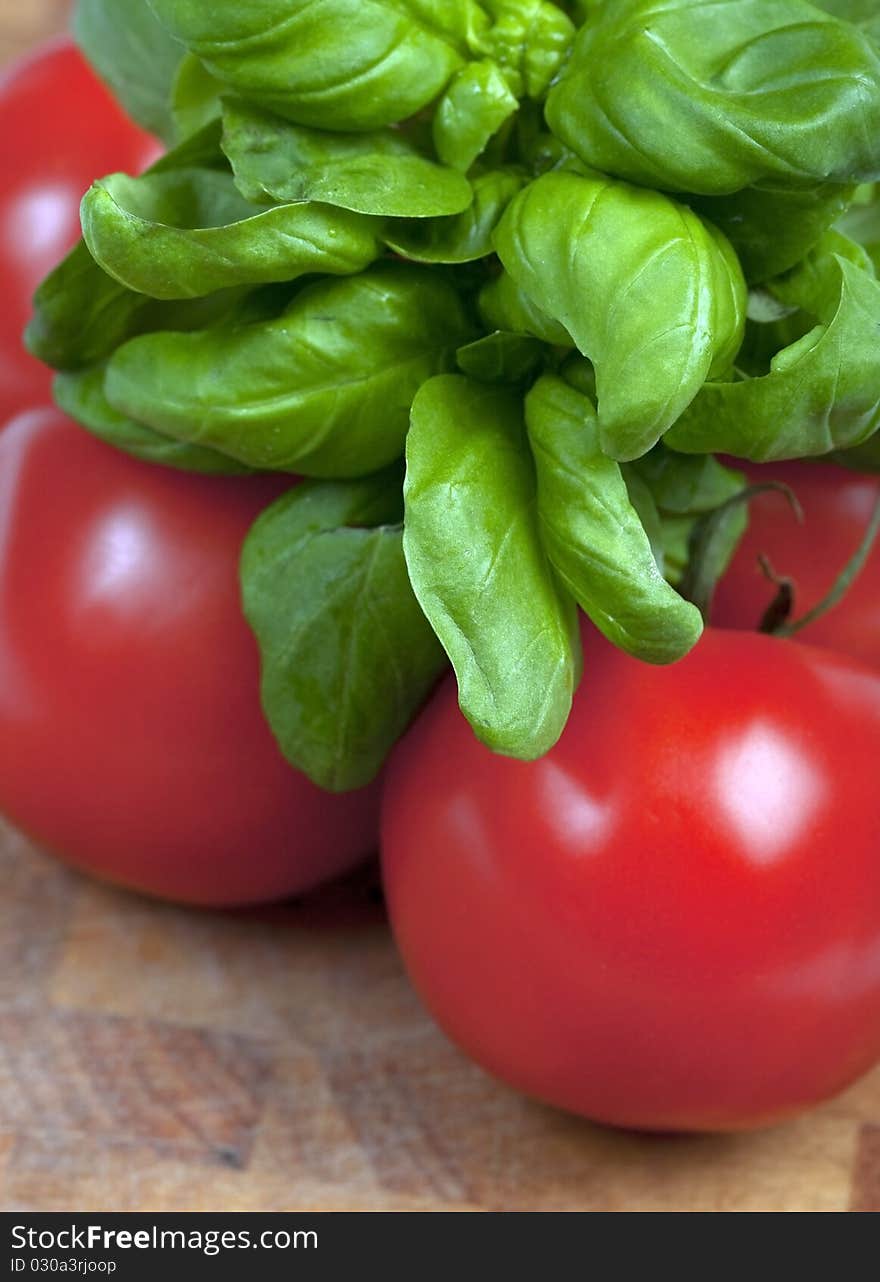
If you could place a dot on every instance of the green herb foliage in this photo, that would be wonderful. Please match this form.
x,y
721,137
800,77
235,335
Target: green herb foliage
x,y
554,256
323,389
478,566
348,656
667,295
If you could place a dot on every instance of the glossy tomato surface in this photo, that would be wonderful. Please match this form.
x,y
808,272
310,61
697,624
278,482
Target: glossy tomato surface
x,y
672,921
837,506
131,737
59,130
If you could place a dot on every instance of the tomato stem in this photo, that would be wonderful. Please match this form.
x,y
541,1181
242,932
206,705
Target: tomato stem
x,y
844,581
709,543
780,609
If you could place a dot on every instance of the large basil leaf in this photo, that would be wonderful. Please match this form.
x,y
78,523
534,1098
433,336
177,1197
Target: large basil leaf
x,y
649,292
593,535
134,53
472,110
347,655
461,238
81,314
334,64
324,389
711,98
188,232
821,393
381,172
82,396
478,567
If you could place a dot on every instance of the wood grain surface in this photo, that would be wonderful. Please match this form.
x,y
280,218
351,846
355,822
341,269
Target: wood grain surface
x,y
157,1059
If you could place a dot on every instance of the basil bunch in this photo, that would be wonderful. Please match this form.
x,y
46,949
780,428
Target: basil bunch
x,y
500,277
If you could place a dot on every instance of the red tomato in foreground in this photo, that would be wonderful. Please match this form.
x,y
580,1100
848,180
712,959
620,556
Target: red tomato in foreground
x,y
131,736
59,130
672,921
837,506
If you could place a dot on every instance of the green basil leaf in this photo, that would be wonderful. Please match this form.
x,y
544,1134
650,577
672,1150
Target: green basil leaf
x,y
530,39
771,227
666,295
863,458
503,305
347,655
711,98
861,222
593,535
81,314
815,284
470,113
381,172
686,484
580,10
195,97
579,373
684,489
461,238
501,357
479,570
333,64
766,336
647,511
136,56
200,150
821,393
537,149
864,13
189,232
323,389
679,545
82,396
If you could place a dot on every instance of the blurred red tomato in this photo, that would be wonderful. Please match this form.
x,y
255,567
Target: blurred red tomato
x,y
59,130
132,741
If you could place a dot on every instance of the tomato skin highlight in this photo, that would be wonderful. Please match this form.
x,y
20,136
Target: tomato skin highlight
x,y
132,741
672,921
837,506
60,129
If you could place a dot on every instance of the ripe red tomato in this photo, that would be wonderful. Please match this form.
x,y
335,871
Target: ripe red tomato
x,y
837,507
131,736
60,129
672,921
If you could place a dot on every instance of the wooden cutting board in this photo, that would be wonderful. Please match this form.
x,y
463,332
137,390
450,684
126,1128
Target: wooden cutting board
x,y
157,1059
153,1058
